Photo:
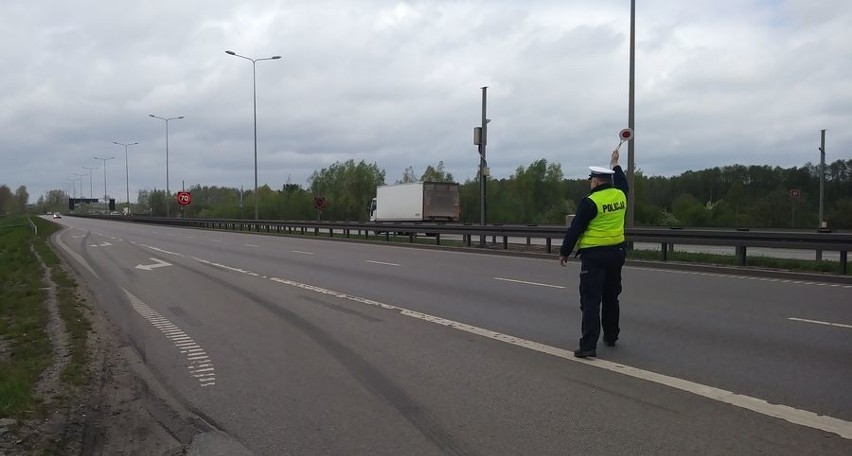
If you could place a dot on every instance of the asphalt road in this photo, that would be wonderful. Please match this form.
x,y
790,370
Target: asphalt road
x,y
307,346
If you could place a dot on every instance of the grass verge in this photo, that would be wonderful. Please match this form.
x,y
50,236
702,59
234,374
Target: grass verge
x,y
25,349
71,307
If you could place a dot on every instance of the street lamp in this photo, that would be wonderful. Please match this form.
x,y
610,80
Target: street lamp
x,y
105,182
167,119
254,79
73,187
126,171
90,179
631,189
78,177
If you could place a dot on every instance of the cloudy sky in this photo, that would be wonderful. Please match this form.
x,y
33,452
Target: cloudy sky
x,y
397,83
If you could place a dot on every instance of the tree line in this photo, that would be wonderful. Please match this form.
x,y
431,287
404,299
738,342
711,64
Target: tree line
x,y
730,196
13,203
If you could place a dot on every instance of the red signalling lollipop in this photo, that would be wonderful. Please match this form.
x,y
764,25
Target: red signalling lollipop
x,y
623,136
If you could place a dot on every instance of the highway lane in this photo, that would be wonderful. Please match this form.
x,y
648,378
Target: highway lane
x,y
727,332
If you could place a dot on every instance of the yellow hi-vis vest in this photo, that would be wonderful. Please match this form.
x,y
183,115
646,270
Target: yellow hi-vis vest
x,y
607,228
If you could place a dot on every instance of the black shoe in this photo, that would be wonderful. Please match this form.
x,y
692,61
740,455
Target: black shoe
x,y
580,353
609,343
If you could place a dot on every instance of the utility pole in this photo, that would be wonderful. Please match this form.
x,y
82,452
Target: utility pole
x,y
631,192
822,224
480,138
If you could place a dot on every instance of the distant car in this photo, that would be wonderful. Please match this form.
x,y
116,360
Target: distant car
x,y
57,215
114,214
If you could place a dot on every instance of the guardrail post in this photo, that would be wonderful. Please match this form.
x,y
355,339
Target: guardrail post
x,y
844,265
411,237
741,255
549,242
505,242
331,232
387,236
468,240
316,231
493,239
437,238
664,251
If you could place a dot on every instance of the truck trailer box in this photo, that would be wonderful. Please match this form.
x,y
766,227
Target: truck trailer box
x,y
417,202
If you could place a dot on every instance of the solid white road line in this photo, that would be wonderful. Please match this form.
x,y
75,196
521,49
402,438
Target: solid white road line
x,y
817,322
381,262
76,256
301,253
251,245
529,283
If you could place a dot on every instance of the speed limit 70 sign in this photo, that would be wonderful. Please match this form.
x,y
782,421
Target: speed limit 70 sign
x,y
184,198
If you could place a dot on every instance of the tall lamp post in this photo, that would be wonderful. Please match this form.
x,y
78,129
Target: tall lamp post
x,y
168,192
79,177
254,85
631,197
126,171
90,168
822,179
105,181
73,187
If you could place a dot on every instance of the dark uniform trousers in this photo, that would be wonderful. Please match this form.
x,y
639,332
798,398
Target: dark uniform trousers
x,y
600,285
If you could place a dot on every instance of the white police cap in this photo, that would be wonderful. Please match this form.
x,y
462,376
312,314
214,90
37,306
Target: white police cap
x,y
597,171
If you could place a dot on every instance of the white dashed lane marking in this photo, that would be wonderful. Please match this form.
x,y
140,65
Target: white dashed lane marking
x,y
198,363
382,263
529,283
817,322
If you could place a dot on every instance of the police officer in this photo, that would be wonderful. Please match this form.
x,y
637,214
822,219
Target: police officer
x,y
598,232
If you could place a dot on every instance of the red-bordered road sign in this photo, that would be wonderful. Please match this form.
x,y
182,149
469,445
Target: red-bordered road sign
x,y
319,202
184,198
795,193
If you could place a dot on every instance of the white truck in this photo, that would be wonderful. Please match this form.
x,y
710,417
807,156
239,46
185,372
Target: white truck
x,y
416,202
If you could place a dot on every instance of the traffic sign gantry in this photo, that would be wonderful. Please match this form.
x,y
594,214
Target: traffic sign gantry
x,y
184,198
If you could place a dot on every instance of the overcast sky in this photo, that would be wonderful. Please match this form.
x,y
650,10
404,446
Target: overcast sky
x,y
718,82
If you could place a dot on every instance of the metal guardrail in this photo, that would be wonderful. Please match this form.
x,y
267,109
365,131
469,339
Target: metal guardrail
x,y
741,240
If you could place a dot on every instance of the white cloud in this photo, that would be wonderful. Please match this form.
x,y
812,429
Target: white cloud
x,y
397,83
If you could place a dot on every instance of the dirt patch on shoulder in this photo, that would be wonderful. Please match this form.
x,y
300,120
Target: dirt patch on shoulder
x,y
109,415
117,419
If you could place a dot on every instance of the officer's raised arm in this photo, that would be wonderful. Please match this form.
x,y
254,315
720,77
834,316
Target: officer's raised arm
x,y
619,180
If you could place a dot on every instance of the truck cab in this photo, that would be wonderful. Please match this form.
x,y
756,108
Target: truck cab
x,y
371,210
